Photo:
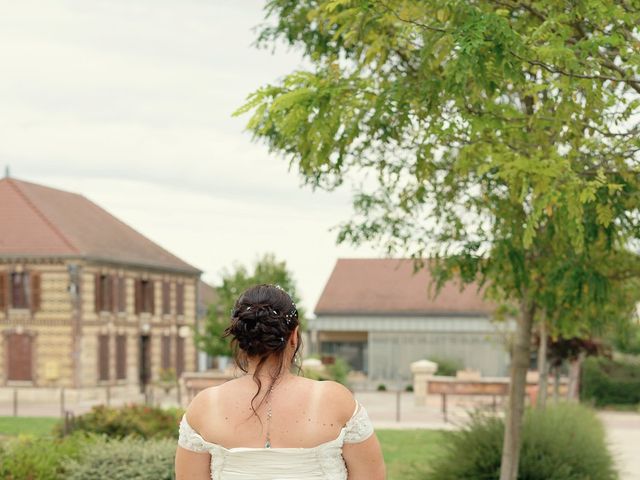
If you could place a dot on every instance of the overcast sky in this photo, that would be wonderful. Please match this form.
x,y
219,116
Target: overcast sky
x,y
129,103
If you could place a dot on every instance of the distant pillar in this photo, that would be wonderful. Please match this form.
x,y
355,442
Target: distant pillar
x,y
422,371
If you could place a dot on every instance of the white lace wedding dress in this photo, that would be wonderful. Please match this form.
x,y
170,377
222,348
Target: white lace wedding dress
x,y
322,462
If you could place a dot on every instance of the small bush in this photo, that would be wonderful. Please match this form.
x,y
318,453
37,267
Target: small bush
x,y
339,370
126,459
382,387
564,442
447,367
136,420
39,458
609,382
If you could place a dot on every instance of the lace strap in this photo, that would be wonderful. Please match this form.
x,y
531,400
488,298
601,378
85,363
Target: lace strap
x,y
189,439
359,426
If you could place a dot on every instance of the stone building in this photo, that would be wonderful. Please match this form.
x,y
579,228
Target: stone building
x,y
87,302
380,316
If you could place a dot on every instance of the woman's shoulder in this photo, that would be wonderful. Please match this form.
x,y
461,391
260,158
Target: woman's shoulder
x,y
201,405
334,396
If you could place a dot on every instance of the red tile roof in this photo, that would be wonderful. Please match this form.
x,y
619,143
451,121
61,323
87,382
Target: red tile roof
x,y
42,221
389,286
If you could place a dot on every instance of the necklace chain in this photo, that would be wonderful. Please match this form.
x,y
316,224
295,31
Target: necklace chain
x,y
267,443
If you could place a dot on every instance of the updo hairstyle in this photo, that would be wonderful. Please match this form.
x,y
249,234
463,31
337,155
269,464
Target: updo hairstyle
x,y
262,322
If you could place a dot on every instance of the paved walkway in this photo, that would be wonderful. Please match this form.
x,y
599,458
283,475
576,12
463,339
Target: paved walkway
x,y
623,432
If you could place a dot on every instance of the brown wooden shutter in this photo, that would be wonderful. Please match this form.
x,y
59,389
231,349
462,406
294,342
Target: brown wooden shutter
x,y
138,295
4,290
166,297
122,294
108,295
97,293
19,284
113,290
35,292
145,359
166,352
20,357
103,357
121,357
152,302
179,356
180,299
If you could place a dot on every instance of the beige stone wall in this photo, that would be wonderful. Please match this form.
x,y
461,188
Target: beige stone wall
x,y
54,323
51,326
55,301
52,347
156,324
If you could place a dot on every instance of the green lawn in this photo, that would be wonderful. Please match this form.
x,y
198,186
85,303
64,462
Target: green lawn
x,y
10,426
408,452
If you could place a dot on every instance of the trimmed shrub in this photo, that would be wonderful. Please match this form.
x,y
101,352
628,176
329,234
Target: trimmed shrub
x,y
39,458
563,442
136,420
127,459
610,382
447,367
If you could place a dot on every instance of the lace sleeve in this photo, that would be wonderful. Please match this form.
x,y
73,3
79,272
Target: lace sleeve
x,y
189,439
359,426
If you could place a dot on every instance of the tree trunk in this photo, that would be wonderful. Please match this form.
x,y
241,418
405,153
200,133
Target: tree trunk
x,y
574,378
543,366
520,359
556,385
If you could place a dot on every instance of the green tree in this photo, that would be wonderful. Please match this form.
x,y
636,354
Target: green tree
x,y
500,137
573,330
267,269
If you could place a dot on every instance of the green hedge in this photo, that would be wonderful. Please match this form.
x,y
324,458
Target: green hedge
x,y
127,459
83,456
131,420
564,442
609,382
39,458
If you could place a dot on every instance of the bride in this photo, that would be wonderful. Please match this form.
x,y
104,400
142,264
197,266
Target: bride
x,y
271,424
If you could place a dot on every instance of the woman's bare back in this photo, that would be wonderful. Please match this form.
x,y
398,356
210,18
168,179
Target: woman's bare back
x,y
304,413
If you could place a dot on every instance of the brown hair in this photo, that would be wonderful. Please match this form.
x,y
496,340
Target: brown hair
x,y
262,321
